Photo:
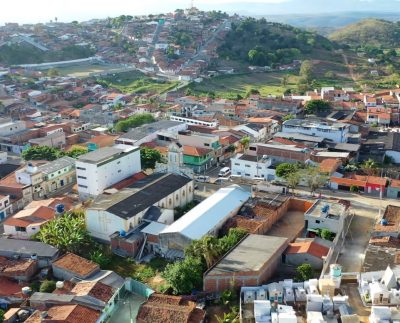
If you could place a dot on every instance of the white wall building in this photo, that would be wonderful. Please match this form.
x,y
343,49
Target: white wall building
x,y
9,127
336,132
126,209
99,169
195,122
5,206
251,167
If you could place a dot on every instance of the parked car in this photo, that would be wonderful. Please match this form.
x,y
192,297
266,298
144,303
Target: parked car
x,y
224,172
221,180
202,179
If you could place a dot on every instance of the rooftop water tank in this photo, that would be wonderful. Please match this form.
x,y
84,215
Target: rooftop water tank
x,y
335,270
384,222
60,208
26,290
122,233
60,285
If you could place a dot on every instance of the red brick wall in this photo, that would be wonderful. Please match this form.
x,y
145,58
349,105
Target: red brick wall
x,y
300,205
261,150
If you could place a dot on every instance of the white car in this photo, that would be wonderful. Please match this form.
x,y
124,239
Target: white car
x,y
202,179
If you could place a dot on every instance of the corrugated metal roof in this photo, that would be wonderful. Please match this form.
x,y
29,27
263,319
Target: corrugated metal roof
x,y
205,216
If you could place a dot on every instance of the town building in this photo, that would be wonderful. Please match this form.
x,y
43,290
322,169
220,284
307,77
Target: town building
x,y
250,167
5,207
206,218
126,209
389,224
71,266
250,263
99,169
49,179
312,252
337,132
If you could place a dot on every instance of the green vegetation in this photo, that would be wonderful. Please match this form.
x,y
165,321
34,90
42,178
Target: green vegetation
x,y
53,72
304,272
376,32
263,43
67,233
27,54
245,142
51,153
284,170
316,106
149,157
134,121
136,82
354,189
369,167
231,317
48,286
2,313
187,275
326,234
100,257
180,211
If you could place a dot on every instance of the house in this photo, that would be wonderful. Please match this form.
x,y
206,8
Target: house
x,y
310,252
48,179
254,130
389,225
326,215
65,314
149,132
9,127
251,167
13,248
335,131
380,144
368,184
249,263
18,269
56,139
329,166
72,266
126,209
393,190
107,166
197,158
5,206
160,308
11,292
279,153
195,122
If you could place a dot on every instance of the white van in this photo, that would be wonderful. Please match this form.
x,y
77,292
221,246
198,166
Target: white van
x,y
224,172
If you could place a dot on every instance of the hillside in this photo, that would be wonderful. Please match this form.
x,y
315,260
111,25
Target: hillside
x,y
373,32
263,43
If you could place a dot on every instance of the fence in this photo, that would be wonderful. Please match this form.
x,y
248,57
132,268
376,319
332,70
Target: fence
x,y
138,288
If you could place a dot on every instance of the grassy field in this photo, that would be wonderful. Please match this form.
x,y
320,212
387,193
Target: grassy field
x,y
136,82
86,70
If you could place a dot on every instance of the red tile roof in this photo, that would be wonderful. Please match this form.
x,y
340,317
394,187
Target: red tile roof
x,y
66,314
77,265
329,165
195,151
309,247
97,290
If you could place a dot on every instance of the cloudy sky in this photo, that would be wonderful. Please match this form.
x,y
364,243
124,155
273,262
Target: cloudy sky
x,y
25,11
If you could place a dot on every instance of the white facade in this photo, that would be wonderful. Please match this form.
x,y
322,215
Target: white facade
x,y
258,135
104,167
252,167
195,122
9,127
336,132
5,207
3,157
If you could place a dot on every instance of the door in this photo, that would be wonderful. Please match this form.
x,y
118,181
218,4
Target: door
x,y
2,216
62,182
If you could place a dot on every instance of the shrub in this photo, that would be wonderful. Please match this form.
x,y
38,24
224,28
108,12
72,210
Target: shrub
x,y
48,286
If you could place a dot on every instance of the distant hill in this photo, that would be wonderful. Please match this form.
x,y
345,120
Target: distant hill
x,y
375,32
264,43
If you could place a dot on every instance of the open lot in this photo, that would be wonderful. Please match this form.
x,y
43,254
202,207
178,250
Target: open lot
x,y
289,226
87,69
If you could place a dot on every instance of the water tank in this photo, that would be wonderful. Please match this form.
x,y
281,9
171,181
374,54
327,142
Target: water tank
x,y
122,233
34,256
60,208
384,222
26,290
60,285
335,270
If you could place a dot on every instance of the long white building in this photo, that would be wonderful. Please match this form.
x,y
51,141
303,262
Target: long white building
x,y
337,132
99,169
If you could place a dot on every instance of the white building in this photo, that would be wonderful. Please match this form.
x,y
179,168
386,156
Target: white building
x,y
255,131
126,209
99,169
337,132
5,207
9,127
326,215
206,218
195,122
251,167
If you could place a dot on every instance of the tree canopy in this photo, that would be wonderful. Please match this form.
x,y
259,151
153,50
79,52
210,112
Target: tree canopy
x,y
304,272
149,157
51,153
286,169
134,121
315,106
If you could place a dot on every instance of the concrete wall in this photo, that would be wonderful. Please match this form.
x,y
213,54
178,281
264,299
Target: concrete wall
x,y
301,258
392,192
30,231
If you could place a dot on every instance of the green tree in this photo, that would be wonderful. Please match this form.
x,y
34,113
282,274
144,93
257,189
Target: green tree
x,y
326,234
293,180
76,151
53,72
314,106
285,80
2,313
245,142
149,157
67,233
285,169
306,71
304,272
288,117
227,242
185,276
48,286
314,178
354,189
100,258
41,153
369,167
134,121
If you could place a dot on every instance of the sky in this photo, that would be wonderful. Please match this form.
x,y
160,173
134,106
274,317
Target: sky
x,y
32,11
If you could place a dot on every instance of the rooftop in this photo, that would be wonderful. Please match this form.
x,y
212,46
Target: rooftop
x,y
57,164
77,265
205,216
249,255
143,131
65,313
105,153
140,195
23,248
309,247
95,289
308,123
326,209
299,137
390,221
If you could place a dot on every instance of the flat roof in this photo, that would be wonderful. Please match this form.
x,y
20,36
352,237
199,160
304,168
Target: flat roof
x,y
299,136
249,255
315,123
144,130
154,228
284,147
334,210
56,165
26,248
105,153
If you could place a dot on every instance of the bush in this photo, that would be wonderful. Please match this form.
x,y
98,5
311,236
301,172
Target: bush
x,y
100,258
304,272
2,315
48,286
35,286
354,189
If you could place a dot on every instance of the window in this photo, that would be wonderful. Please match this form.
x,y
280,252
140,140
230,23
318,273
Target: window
x,y
83,186
82,177
253,148
119,171
237,164
247,165
207,145
119,162
177,197
20,229
81,168
317,221
247,175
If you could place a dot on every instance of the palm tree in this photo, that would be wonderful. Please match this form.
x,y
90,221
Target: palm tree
x,y
245,142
